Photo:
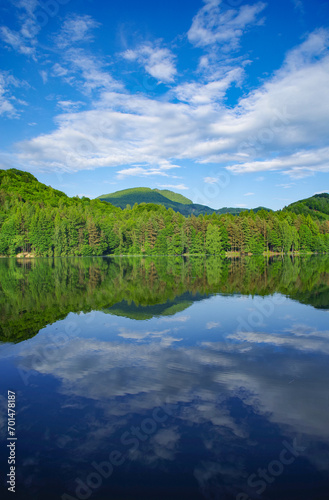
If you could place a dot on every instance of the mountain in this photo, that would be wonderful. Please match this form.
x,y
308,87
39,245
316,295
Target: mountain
x,y
27,188
179,198
316,206
167,198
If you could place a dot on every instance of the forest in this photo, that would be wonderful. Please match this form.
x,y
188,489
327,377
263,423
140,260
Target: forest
x,y
39,220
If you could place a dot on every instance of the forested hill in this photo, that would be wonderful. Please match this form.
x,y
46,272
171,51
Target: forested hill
x,y
26,187
317,206
167,198
39,220
146,195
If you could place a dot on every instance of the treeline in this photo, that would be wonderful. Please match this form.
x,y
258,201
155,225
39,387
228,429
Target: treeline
x,y
38,219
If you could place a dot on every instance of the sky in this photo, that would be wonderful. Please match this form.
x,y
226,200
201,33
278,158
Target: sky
x,y
225,102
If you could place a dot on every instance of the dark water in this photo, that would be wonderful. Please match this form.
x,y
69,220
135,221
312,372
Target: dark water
x,y
166,378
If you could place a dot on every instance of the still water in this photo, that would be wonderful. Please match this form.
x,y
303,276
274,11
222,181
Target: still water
x,y
159,378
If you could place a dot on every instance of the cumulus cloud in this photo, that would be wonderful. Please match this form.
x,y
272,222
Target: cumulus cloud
x,y
201,94
280,126
137,376
158,62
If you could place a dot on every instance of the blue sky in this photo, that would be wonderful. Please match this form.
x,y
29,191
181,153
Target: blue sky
x,y
226,102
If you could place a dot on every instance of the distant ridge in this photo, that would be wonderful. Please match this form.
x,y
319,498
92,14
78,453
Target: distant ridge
x,y
167,198
145,195
315,206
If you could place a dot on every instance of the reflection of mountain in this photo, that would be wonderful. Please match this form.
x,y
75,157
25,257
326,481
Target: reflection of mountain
x,y
41,291
169,308
318,298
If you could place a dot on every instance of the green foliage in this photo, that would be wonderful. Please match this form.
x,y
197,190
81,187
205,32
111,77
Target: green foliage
x,y
213,240
317,206
179,198
37,219
168,199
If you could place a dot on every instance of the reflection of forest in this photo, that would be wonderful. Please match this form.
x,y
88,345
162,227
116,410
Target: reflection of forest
x,y
37,292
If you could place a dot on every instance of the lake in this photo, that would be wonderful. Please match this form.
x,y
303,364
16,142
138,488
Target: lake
x,y
165,378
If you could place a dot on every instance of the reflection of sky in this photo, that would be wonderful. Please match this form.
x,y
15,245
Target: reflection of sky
x,y
237,392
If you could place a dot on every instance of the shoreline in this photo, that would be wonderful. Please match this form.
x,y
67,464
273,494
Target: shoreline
x,y
228,254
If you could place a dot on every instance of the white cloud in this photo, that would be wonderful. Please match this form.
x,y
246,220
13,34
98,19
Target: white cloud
x,y
173,186
200,94
249,194
7,99
280,126
17,41
76,29
297,338
212,324
85,72
296,165
210,180
58,70
6,106
44,76
69,106
140,171
158,62
174,319
286,186
141,335
199,380
23,41
214,26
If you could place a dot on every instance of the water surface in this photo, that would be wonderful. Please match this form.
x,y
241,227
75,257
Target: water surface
x,y
163,378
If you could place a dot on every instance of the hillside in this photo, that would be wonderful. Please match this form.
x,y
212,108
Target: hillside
x,y
167,198
316,206
27,188
142,195
147,195
179,198
37,220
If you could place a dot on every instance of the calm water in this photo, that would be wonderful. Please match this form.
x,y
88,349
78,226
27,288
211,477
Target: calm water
x,y
154,379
